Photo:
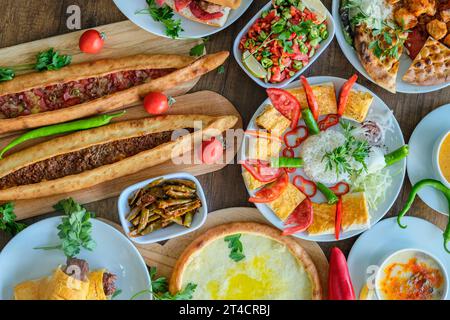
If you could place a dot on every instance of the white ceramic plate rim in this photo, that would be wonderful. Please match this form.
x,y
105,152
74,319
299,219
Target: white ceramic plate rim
x,y
170,231
238,54
405,61
192,29
433,198
399,178
139,263
376,244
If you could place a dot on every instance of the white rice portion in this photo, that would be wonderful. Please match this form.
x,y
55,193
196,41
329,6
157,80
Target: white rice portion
x,y
313,151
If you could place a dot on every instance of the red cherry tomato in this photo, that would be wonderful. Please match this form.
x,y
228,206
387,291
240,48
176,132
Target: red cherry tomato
x,y
211,151
92,41
156,103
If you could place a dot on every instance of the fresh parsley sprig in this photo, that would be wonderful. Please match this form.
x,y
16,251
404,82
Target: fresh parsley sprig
x,y
235,244
8,220
45,60
199,49
160,289
163,14
75,230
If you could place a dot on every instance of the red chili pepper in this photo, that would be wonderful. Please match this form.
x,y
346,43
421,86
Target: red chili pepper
x,y
303,184
340,285
302,134
261,171
345,92
329,121
338,220
337,188
272,191
312,101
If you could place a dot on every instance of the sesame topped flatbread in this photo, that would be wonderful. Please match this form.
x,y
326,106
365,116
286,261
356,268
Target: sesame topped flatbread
x,y
431,66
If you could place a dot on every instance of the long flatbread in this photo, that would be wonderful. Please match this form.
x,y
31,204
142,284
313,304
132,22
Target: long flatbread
x,y
86,158
184,69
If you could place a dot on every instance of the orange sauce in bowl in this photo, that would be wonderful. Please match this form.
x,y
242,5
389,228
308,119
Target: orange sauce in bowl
x,y
411,280
444,157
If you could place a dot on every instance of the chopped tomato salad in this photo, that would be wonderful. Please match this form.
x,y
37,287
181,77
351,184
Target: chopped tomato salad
x,y
284,39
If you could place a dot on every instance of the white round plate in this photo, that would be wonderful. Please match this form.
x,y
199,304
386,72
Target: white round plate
x,y
419,161
394,139
191,28
387,237
19,261
405,61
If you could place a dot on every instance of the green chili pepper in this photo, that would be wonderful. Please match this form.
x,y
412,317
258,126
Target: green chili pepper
x,y
397,155
83,124
285,162
331,197
266,63
415,189
310,122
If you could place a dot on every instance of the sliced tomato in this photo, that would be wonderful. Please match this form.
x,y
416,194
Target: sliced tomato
x,y
286,104
300,219
201,14
261,170
272,191
181,4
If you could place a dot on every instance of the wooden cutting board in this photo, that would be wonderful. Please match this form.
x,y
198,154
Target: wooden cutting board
x,y
164,256
122,39
202,102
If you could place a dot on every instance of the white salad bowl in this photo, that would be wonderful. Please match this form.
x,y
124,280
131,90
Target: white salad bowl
x,y
238,53
171,231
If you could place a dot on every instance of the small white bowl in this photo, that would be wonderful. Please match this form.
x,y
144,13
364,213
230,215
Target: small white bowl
x,y
323,45
171,231
390,259
436,151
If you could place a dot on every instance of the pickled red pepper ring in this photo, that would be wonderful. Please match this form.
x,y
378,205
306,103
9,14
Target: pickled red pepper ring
x,y
305,182
337,188
303,133
329,121
60,128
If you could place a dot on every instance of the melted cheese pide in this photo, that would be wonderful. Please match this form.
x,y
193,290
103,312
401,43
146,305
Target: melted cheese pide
x,y
269,271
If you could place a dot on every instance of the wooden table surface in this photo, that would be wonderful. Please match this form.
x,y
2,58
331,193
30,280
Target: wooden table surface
x,y
27,20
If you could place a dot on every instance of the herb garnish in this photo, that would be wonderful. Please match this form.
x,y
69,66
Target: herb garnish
x,y
355,149
199,49
389,37
221,69
75,229
8,220
45,60
163,14
235,245
160,286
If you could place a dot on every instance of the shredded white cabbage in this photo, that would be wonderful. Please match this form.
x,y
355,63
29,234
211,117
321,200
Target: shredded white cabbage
x,y
374,185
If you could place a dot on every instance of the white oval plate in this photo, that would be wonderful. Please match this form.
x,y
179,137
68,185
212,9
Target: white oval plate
x,y
419,161
387,237
191,28
405,61
19,261
393,141
238,53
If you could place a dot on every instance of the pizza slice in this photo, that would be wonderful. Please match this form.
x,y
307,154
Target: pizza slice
x,y
431,66
382,69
